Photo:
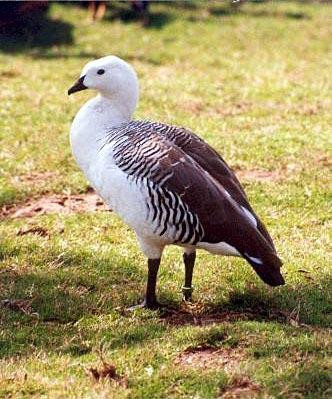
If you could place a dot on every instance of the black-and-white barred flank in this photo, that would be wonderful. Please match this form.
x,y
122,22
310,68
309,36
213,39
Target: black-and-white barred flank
x,y
138,148
172,215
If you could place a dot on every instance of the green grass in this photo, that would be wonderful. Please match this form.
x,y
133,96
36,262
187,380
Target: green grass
x,y
256,84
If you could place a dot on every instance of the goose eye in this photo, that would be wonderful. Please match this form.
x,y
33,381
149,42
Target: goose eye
x,y
101,71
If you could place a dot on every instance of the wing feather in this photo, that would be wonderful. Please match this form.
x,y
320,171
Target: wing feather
x,y
190,169
216,166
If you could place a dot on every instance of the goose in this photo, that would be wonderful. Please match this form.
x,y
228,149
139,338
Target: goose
x,y
165,182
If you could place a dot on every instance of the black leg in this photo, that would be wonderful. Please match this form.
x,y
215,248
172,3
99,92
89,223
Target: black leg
x,y
189,263
150,297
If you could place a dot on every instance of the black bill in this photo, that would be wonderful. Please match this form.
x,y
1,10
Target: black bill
x,y
78,86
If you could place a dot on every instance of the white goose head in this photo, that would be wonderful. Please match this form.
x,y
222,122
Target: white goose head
x,y
113,78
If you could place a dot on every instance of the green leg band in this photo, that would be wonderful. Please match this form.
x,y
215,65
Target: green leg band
x,y
187,291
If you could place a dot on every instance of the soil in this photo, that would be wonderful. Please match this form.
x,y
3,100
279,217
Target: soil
x,y
209,357
88,202
241,387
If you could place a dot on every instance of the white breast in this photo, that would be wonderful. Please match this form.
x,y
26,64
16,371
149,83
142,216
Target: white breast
x,y
89,129
123,194
87,136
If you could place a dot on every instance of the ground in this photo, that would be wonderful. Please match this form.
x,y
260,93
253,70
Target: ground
x,y
256,84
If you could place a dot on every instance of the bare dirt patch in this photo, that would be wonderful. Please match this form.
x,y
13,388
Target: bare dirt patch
x,y
208,357
198,314
106,371
88,202
37,230
324,160
285,172
304,109
238,108
10,73
19,305
34,177
194,107
202,317
179,318
241,387
259,175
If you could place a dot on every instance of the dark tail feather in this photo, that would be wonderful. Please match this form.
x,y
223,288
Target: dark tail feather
x,y
267,268
264,232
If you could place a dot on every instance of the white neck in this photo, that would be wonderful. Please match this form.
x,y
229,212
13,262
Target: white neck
x,y
108,111
93,121
123,101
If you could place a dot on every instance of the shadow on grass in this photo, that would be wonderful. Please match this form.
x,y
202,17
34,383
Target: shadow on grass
x,y
76,301
46,55
72,286
39,36
309,304
311,379
227,10
70,303
157,19
35,34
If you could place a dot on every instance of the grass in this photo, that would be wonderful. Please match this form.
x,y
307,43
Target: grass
x,y
256,84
